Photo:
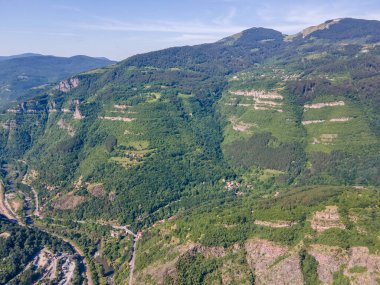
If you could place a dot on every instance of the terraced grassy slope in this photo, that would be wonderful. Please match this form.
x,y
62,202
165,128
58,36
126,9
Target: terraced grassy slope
x,y
256,103
342,126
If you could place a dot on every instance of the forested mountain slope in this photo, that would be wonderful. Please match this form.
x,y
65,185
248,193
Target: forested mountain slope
x,y
237,160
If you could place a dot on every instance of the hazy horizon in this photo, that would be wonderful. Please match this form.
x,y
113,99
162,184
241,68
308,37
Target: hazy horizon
x,y
119,29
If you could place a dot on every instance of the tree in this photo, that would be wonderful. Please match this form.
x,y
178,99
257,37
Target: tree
x,y
111,142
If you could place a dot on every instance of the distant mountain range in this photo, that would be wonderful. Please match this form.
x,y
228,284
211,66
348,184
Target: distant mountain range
x,y
19,56
28,73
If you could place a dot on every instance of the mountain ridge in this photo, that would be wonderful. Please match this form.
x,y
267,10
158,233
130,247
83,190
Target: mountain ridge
x,y
23,74
254,154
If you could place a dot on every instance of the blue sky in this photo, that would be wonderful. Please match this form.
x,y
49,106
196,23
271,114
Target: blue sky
x,y
118,29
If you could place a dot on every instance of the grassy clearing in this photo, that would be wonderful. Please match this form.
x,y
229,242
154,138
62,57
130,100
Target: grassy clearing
x,y
95,156
270,173
185,96
153,97
124,161
358,269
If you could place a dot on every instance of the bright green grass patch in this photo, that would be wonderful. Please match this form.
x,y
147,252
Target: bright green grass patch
x,y
135,152
153,97
185,96
124,161
95,156
99,70
279,259
138,145
316,55
281,125
338,78
270,173
358,269
154,249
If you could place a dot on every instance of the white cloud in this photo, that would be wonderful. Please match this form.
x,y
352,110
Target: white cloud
x,y
194,27
192,39
226,19
295,17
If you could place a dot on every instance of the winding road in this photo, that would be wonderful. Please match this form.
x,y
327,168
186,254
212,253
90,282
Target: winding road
x,y
36,205
132,261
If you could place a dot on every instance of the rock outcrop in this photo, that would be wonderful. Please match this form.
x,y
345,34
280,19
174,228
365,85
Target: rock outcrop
x,y
368,265
122,119
330,259
327,219
77,114
262,100
9,125
67,85
275,224
273,263
323,105
361,267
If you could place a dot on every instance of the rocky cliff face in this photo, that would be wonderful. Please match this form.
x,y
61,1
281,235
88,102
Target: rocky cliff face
x,y
357,263
68,84
273,263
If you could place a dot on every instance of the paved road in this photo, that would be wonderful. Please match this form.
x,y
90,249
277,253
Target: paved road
x,y
132,261
36,205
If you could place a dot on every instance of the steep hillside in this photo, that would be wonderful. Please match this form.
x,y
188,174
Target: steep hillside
x,y
230,163
30,74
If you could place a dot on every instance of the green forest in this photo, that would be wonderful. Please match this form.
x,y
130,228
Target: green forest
x,y
259,144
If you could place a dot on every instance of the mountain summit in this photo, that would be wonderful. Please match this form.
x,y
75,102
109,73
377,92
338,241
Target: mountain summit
x,y
346,29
